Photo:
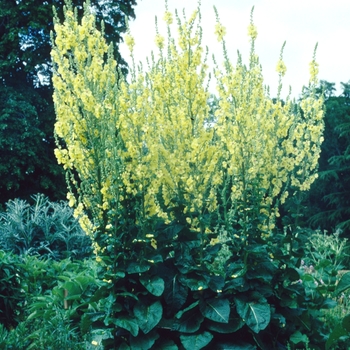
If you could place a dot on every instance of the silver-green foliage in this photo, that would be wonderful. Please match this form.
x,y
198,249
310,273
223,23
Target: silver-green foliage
x,y
44,228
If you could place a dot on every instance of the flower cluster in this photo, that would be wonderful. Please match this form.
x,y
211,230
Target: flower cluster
x,y
149,140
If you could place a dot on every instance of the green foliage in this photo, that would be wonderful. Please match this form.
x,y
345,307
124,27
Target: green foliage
x,y
328,203
51,297
44,228
11,293
27,162
182,213
323,246
167,294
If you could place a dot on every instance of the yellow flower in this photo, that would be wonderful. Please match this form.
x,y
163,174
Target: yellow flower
x,y
159,41
252,31
313,68
71,198
130,42
220,31
168,18
281,68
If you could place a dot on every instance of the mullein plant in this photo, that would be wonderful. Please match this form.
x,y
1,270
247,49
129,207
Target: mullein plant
x,y
145,153
149,138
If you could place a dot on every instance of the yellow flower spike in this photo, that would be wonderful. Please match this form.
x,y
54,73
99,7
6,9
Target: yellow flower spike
x,y
281,68
168,18
313,72
130,42
152,138
220,31
252,31
159,40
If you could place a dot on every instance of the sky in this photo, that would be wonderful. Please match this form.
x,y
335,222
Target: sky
x,y
301,23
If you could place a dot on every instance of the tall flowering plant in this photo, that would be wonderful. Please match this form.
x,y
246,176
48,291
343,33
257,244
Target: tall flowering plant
x,y
177,201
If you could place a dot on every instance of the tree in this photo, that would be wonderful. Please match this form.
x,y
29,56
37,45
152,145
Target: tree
x,y
329,201
27,113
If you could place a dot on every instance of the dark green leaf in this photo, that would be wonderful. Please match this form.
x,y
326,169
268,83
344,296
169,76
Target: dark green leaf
x,y
333,338
189,322
175,294
128,323
256,314
196,341
343,284
297,337
194,281
154,284
217,310
216,283
148,316
143,341
138,267
181,312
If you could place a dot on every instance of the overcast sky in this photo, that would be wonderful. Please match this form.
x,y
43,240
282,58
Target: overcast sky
x,y
301,23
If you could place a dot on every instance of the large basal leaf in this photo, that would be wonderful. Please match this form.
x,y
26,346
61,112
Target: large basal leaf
x,y
127,323
256,314
154,284
217,310
143,341
189,322
175,294
148,316
196,341
343,284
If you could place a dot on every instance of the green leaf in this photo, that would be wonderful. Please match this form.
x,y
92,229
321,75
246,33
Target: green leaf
x,y
217,310
256,314
189,322
143,341
175,294
196,341
297,337
343,284
148,316
333,338
232,326
138,267
154,284
181,312
128,323
194,281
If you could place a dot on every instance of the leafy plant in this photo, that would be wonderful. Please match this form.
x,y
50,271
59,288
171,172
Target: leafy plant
x,y
181,207
44,228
